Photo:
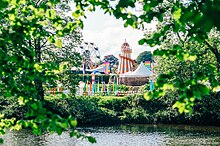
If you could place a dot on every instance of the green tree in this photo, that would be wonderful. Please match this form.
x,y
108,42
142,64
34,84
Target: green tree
x,y
30,34
179,18
22,72
144,56
184,72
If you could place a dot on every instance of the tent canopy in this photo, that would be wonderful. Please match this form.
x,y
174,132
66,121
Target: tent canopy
x,y
141,71
125,74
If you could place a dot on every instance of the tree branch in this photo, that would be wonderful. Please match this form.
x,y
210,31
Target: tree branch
x,y
215,52
44,44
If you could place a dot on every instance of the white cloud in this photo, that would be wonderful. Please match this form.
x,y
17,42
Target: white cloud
x,y
109,34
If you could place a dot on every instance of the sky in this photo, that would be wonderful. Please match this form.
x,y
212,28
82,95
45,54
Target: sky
x,y
109,34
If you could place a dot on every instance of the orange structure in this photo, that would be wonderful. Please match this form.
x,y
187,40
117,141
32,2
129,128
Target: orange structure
x,y
125,61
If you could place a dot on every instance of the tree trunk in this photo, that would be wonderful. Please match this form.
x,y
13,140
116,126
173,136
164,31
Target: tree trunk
x,y
38,79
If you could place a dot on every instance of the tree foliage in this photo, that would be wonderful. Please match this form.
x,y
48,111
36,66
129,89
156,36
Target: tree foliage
x,y
24,23
144,56
113,62
33,55
185,71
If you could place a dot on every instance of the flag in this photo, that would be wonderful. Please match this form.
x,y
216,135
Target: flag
x,y
106,66
147,64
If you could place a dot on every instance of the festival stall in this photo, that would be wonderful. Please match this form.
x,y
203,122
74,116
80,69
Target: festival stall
x,y
138,77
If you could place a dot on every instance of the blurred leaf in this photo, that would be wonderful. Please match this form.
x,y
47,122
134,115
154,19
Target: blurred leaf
x,y
1,140
73,122
177,14
34,106
147,96
141,42
58,43
91,139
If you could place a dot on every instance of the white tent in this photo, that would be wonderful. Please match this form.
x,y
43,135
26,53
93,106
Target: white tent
x,y
141,71
125,74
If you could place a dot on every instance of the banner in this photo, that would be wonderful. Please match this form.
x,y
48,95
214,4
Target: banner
x,y
147,64
106,67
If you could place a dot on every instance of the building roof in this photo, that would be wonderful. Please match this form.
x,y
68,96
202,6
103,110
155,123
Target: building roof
x,y
125,46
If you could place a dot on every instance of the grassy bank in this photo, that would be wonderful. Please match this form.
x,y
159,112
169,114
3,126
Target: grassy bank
x,y
110,110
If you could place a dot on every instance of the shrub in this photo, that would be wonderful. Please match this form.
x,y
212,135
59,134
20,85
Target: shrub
x,y
115,103
122,88
135,115
109,110
10,108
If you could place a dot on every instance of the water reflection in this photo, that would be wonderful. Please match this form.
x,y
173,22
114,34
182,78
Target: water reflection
x,y
124,135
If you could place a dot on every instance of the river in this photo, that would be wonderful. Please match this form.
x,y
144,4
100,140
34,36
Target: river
x,y
123,135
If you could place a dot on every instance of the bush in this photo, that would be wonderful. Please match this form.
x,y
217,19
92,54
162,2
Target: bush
x,y
115,103
84,108
136,115
10,108
133,109
122,88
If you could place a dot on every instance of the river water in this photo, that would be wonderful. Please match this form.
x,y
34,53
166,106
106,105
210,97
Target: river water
x,y
123,135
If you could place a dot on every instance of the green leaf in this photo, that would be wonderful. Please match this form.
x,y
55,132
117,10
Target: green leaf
x,y
91,139
59,131
189,57
1,140
21,100
63,125
51,39
146,7
204,89
216,89
64,95
211,67
74,133
73,122
192,57
168,87
141,42
177,14
58,43
34,106
177,47
50,13
8,94
197,95
2,116
147,96
11,17
3,4
76,15
38,67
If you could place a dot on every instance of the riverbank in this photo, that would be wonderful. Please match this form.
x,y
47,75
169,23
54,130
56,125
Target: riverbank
x,y
133,109
121,135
